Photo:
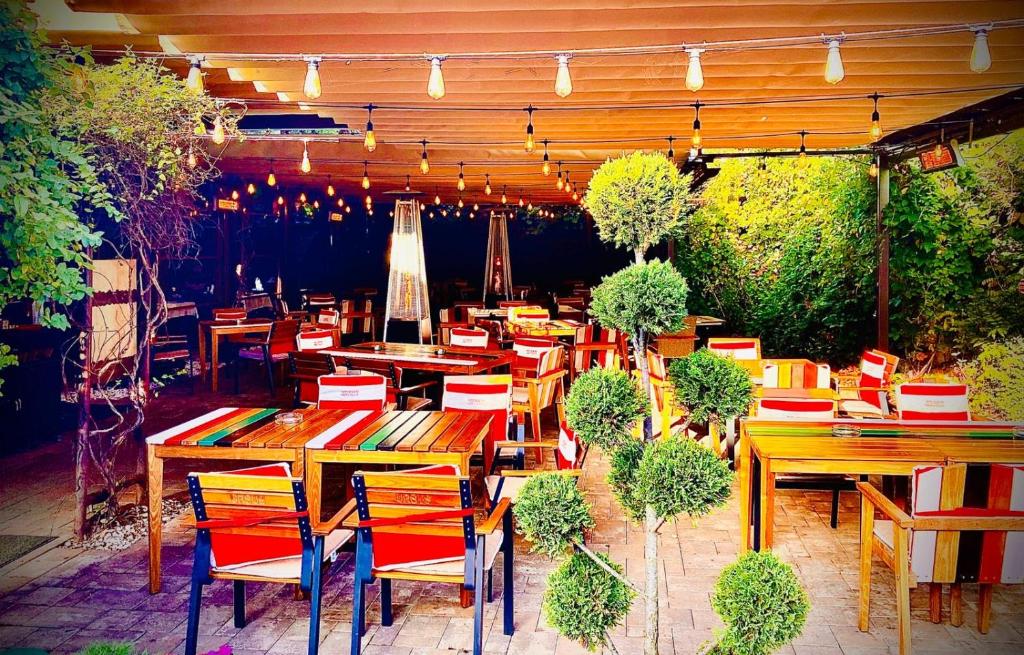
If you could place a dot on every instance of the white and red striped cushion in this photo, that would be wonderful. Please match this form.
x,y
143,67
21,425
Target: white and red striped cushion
x,y
933,402
314,340
353,392
529,350
485,394
328,317
468,338
744,349
798,408
229,314
320,299
567,455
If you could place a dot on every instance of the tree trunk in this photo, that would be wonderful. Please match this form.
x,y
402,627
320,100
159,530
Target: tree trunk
x,y
640,353
638,255
651,582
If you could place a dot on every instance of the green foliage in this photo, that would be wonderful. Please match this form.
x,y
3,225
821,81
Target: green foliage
x,y
638,199
711,387
677,475
762,604
551,513
996,380
642,300
622,478
108,648
604,405
583,601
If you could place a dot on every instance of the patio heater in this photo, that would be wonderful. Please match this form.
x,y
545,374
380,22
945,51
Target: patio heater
x,y
498,267
407,280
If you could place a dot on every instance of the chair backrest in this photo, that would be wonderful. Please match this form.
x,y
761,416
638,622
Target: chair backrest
x,y
484,394
798,408
877,368
314,340
306,368
355,316
571,450
658,372
267,496
550,363
229,314
792,375
529,350
462,308
609,358
320,300
469,338
283,336
367,391
328,317
919,401
736,348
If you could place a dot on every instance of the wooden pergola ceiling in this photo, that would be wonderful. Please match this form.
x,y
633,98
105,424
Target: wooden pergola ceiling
x,y
584,128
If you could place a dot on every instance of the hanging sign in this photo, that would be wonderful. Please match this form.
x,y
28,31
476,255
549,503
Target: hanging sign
x,y
227,205
940,158
336,217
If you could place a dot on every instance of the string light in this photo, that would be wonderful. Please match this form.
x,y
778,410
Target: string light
x,y
545,167
671,152
522,203
873,170
305,166
437,197
192,161
424,164
694,71
834,71
558,181
876,123
316,204
408,186
938,145
341,202
461,184
302,197
460,203
529,206
568,186
330,187
803,148
369,141
348,209
311,87
234,194
504,198
194,82
476,207
563,81
271,178
218,131
369,200
472,215
251,189
981,58
366,175
529,144
487,183
280,200
435,83
695,140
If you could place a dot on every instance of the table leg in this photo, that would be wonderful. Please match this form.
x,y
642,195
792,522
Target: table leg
x,y
202,355
743,464
154,496
314,490
767,504
214,360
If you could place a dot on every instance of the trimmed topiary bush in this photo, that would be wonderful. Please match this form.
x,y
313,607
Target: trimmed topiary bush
x,y
551,513
711,387
642,300
762,604
603,406
583,601
677,475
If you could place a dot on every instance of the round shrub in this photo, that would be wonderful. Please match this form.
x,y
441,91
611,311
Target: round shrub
x,y
625,461
604,405
711,387
642,300
996,379
583,601
762,604
678,475
551,513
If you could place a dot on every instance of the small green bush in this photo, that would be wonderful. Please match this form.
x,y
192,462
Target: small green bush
x,y
762,604
711,387
625,461
583,601
551,513
108,648
642,300
996,379
604,405
676,475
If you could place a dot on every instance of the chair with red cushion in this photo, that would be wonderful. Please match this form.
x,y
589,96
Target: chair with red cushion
x,y
328,317
229,314
314,301
531,394
357,320
469,338
485,394
569,450
597,346
746,351
366,391
419,525
867,395
305,369
271,348
920,401
314,340
252,526
528,352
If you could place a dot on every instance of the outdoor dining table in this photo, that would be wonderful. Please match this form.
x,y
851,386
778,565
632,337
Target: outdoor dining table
x,y
254,434
553,328
425,357
218,330
884,447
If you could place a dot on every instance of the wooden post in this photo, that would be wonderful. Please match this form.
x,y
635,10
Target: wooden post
x,y
883,252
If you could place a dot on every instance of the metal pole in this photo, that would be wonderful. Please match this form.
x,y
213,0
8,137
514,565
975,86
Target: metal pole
x,y
883,252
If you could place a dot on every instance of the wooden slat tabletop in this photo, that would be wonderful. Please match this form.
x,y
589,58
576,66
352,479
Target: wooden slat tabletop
x,y
989,451
846,449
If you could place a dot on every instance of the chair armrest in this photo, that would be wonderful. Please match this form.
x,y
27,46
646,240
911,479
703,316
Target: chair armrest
x,y
494,519
969,523
872,495
331,524
553,375
525,444
525,473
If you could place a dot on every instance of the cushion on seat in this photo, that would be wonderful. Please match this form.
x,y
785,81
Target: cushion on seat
x,y
455,566
510,488
257,353
286,567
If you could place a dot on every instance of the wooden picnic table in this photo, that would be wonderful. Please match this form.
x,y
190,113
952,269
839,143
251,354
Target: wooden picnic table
x,y
885,447
425,357
218,330
253,435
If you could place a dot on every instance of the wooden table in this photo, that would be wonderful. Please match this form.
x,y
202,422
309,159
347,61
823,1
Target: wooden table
x,y
555,328
424,357
219,329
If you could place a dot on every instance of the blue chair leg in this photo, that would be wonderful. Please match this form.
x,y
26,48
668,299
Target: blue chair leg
x,y
362,612
239,603
386,618
192,633
358,628
490,585
316,587
508,593
478,602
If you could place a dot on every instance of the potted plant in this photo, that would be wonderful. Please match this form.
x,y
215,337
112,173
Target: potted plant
x,y
712,388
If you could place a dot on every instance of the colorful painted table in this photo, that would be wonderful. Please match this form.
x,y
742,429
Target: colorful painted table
x,y
424,357
218,330
555,328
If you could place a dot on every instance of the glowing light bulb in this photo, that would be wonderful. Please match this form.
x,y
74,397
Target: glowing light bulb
x,y
348,209
316,204
522,203
435,84
194,82
437,199
341,202
694,70
280,200
424,164
218,131
876,127
271,178
981,58
529,206
472,215
407,186
834,72
476,207
695,140
559,184
234,194
369,200
873,170
330,189
311,87
504,198
305,166
369,141
546,166
487,184
251,189
366,177
302,197
461,184
575,195
461,204
563,81
192,161
529,145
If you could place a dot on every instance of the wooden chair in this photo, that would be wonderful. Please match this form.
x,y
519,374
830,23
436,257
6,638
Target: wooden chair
x,y
932,402
867,393
313,301
404,396
271,348
945,539
681,343
305,369
357,319
316,339
252,526
172,350
597,346
666,414
786,375
419,525
505,304
447,320
229,314
367,391
469,338
528,351
328,317
462,308
531,394
507,483
745,350
482,394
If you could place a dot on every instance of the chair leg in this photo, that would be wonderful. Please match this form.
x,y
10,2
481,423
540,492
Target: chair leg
x,y
239,603
867,536
508,593
269,363
935,602
478,601
357,613
362,612
386,617
956,604
834,517
984,608
490,585
192,632
316,593
901,564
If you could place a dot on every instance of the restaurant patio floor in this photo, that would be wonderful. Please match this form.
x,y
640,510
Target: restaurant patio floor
x,y
64,598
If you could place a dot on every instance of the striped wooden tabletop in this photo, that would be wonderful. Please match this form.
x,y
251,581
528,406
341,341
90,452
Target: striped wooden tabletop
x,y
846,449
756,427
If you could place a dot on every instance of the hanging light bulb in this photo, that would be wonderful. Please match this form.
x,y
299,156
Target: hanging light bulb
x,y
563,81
575,194
341,202
369,200
251,189
461,184
522,203
529,206
218,131
424,164
234,194
366,176
330,187
876,123
305,166
803,148
369,140
695,140
437,197
487,183
348,209
938,144
316,204
545,167
694,71
834,72
981,58
461,204
558,181
408,187
568,185
671,152
504,198
312,87
476,207
194,82
529,144
302,197
873,170
435,84
192,161
280,200
271,178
